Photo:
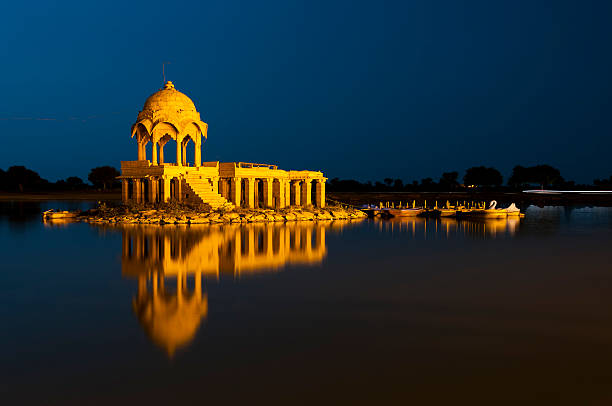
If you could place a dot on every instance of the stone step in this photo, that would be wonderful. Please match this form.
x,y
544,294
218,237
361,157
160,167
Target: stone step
x,y
204,191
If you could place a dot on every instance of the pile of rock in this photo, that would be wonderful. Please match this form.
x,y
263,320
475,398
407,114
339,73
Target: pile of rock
x,y
222,216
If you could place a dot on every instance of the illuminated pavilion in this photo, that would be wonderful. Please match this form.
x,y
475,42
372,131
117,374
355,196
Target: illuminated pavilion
x,y
170,116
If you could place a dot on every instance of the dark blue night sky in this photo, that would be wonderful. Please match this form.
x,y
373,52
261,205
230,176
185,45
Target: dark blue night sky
x,y
362,90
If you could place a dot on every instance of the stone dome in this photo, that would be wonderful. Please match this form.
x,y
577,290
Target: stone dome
x,y
168,111
169,99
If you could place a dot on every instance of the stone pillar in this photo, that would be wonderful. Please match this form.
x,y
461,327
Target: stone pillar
x,y
154,157
250,193
267,193
295,191
179,159
320,193
236,187
278,192
198,152
256,193
161,152
306,193
179,190
153,190
125,190
287,186
166,189
224,186
137,192
184,152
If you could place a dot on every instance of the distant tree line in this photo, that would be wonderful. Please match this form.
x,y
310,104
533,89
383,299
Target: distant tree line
x,y
22,179
475,178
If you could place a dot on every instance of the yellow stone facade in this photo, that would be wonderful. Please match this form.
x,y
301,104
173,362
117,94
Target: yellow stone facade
x,y
169,116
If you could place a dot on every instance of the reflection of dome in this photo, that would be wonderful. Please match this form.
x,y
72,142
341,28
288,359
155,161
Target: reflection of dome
x,y
169,322
168,99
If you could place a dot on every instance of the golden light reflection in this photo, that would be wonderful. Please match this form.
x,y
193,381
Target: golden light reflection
x,y
419,227
172,265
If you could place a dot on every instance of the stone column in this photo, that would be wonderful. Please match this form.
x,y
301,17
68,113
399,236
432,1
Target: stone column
x,y
223,188
166,189
184,151
153,190
306,193
295,189
179,159
250,193
125,190
267,193
235,191
161,152
278,191
256,193
154,158
198,152
287,186
137,192
179,190
320,193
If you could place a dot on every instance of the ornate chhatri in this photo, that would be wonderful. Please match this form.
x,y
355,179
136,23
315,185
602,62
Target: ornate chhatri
x,y
169,116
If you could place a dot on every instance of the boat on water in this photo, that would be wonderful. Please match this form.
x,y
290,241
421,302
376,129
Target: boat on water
x,y
492,212
52,214
513,211
447,212
406,212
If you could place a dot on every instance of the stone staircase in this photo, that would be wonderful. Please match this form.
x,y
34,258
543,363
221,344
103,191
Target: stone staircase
x,y
204,191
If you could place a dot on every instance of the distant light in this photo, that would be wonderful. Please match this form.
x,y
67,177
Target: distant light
x,y
558,192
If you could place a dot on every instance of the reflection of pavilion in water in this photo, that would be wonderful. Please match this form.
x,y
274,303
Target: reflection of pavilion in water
x,y
170,263
420,227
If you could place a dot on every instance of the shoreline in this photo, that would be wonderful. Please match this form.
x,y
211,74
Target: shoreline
x,y
68,195
521,199
186,215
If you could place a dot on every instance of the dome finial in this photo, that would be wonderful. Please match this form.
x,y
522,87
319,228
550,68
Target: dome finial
x,y
168,85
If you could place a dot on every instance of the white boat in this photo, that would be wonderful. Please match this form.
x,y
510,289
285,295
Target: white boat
x,y
513,211
492,212
51,214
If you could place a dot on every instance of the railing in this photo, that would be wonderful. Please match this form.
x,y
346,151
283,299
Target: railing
x,y
253,165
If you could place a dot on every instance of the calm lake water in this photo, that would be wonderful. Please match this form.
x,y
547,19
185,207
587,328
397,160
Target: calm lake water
x,y
382,312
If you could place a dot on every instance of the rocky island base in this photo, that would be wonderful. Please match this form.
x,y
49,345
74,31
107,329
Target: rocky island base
x,y
182,214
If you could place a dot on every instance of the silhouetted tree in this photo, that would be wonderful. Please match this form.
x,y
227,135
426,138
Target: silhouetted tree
x,y
20,178
388,181
603,182
482,176
104,177
543,175
448,180
398,185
